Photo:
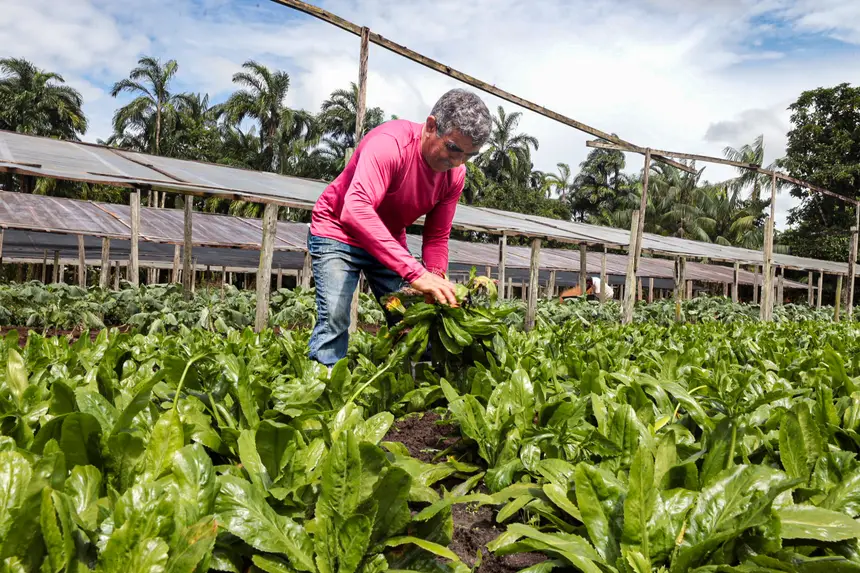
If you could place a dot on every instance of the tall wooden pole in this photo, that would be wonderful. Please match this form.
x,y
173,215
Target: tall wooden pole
x,y
755,284
767,273
133,271
280,282
583,267
82,262
735,280
780,287
104,275
177,256
726,290
116,276
223,280
503,254
534,275
510,294
630,278
56,267
307,271
810,292
852,262
838,298
187,271
643,206
44,266
650,290
264,271
680,284
602,294
820,289
550,286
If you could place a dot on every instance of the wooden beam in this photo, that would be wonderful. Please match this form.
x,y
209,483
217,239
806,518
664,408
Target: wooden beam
x,y
534,275
810,291
852,262
375,38
550,286
82,262
307,271
838,298
766,311
264,271
133,271
643,208
820,289
736,275
362,84
174,277
104,275
503,254
601,296
814,188
187,271
677,155
630,275
650,290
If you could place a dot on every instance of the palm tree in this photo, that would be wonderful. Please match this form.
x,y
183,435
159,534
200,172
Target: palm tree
x,y
338,113
677,204
559,184
600,185
150,80
509,153
36,102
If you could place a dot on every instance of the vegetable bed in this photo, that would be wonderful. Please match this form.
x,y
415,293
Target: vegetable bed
x,y
715,446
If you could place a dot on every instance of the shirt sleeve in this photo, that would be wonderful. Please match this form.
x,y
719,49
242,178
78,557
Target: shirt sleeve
x,y
374,171
437,228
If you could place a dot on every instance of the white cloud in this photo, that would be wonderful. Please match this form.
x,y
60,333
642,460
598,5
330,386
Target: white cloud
x,y
672,74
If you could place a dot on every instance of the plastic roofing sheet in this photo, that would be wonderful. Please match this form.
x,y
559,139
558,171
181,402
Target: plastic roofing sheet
x,y
38,212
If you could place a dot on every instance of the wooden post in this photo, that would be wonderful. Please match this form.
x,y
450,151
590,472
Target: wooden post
x,y
852,262
650,290
82,262
643,205
280,283
583,267
307,271
820,289
838,298
187,271
767,292
735,282
689,290
630,277
353,306
780,287
810,291
104,276
602,294
755,285
264,271
44,266
488,271
550,285
116,276
362,84
524,292
639,295
680,283
133,271
534,275
510,294
194,276
223,280
56,267
503,253
176,256
726,290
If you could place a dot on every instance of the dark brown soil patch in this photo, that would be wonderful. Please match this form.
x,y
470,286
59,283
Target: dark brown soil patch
x,y
422,435
474,528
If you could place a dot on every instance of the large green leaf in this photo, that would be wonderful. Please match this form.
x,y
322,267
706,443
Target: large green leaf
x,y
78,435
84,489
167,438
391,499
196,484
353,541
640,504
599,497
16,374
251,462
242,510
194,546
273,440
15,475
810,522
800,443
341,482
57,530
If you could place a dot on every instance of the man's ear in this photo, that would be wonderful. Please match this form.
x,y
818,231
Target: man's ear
x,y
431,124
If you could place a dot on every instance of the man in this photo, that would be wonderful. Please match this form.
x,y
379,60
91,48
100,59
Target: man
x,y
592,290
400,171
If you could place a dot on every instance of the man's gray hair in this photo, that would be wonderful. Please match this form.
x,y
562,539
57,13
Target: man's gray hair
x,y
464,111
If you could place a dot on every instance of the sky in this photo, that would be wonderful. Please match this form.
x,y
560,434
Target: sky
x,y
681,75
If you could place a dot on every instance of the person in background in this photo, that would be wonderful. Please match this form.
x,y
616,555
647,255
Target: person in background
x,y
592,290
400,171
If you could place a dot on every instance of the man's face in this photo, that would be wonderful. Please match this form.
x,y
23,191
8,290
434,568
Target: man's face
x,y
445,151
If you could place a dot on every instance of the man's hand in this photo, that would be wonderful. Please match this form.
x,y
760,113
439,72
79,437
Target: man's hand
x,y
437,287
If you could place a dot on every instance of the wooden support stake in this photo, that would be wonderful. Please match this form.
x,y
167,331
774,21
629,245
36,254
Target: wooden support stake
x,y
353,306
810,300
643,206
503,253
534,275
510,294
726,290
838,298
264,271
583,267
852,262
689,290
755,285
680,282
603,286
550,285
639,295
104,275
133,271
174,278
630,276
187,271
488,271
780,287
820,289
362,84
650,289
82,262
116,276
280,283
1,246
44,266
307,271
194,276
223,280
56,267
767,292
524,291
736,276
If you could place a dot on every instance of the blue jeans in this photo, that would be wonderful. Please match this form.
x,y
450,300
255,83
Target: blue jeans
x,y
336,268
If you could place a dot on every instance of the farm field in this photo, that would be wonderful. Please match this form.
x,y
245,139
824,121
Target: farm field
x,y
717,444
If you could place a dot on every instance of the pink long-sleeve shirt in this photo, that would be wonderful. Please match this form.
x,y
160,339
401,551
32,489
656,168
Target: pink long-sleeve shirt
x,y
386,186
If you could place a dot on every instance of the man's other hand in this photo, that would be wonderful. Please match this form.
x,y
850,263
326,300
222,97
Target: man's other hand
x,y
440,289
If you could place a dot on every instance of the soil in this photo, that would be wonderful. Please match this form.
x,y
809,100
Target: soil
x,y
474,527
